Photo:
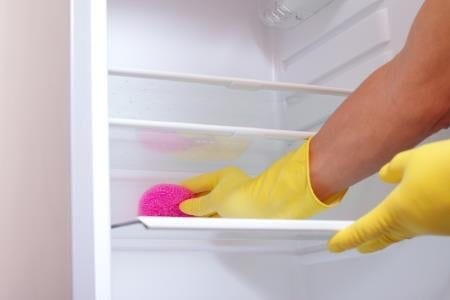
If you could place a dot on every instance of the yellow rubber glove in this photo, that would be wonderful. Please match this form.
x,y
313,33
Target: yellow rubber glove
x,y
419,205
281,191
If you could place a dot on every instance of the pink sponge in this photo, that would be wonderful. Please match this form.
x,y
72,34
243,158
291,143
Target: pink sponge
x,y
163,200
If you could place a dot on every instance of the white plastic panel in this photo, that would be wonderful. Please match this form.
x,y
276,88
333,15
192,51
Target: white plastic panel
x,y
352,75
199,275
316,62
197,36
411,270
331,20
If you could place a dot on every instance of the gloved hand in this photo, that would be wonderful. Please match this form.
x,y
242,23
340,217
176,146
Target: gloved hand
x,y
281,191
419,205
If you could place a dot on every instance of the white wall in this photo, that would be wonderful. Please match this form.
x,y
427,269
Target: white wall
x,y
171,275
412,270
35,256
209,37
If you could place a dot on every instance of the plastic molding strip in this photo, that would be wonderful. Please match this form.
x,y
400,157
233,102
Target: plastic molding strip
x,y
231,82
213,129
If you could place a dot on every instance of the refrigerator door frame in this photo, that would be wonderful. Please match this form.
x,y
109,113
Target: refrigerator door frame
x,y
91,245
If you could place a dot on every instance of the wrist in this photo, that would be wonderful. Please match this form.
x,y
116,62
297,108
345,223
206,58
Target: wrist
x,y
319,174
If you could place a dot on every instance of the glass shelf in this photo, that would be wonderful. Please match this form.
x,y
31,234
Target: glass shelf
x,y
229,101
150,145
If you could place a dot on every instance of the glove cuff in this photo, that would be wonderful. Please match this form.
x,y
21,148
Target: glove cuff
x,y
312,204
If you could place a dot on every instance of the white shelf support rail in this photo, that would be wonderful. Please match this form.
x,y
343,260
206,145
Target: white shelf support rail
x,y
231,82
205,128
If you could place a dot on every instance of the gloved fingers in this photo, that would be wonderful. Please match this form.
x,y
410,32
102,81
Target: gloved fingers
x,y
382,242
373,246
208,181
365,229
392,172
199,207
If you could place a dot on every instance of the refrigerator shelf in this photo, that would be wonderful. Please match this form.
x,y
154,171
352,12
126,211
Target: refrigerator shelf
x,y
304,238
230,82
172,146
299,228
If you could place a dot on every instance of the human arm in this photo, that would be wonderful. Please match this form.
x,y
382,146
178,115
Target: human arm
x,y
398,106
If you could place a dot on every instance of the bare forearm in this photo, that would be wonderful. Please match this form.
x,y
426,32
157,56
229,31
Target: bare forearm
x,y
399,105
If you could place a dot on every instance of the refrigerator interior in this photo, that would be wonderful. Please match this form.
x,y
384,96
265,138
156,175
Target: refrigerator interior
x,y
165,130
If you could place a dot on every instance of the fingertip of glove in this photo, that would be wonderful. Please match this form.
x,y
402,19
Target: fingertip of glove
x,y
334,247
340,242
383,171
365,250
182,207
385,174
388,175
196,207
188,207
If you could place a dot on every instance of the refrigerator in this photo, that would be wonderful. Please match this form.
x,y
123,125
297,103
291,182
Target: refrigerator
x,y
163,90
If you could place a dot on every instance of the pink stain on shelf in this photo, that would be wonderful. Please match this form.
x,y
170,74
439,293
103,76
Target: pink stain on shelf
x,y
163,141
163,200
